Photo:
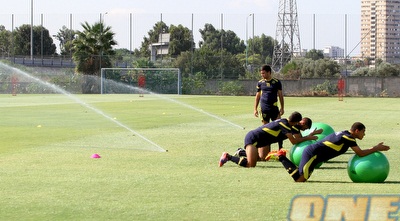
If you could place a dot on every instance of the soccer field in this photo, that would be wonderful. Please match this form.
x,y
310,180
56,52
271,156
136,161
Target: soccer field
x,y
159,157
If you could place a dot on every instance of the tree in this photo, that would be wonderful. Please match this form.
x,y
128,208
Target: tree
x,y
93,48
308,68
66,36
41,41
143,63
210,62
384,69
315,54
232,43
327,68
180,40
211,37
217,40
5,42
158,28
263,45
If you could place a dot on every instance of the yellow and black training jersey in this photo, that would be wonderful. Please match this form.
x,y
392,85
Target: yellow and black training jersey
x,y
269,92
332,145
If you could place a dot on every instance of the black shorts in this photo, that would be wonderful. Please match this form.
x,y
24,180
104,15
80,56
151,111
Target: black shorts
x,y
270,114
253,138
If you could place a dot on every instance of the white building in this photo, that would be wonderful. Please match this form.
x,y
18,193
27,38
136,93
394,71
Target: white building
x,y
161,47
333,52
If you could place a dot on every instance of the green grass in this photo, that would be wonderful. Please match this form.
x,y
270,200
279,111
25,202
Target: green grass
x,y
47,173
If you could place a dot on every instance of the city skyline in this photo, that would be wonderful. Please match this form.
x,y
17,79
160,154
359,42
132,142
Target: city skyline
x,y
320,25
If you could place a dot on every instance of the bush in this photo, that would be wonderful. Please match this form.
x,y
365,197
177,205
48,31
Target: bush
x,y
231,88
324,89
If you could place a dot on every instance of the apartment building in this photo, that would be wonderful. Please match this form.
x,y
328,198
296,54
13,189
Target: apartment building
x,y
333,52
380,30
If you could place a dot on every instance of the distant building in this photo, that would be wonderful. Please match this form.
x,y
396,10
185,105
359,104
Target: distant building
x,y
161,47
380,30
333,52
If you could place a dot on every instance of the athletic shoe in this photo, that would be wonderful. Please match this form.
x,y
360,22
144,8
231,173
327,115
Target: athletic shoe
x,y
223,159
240,152
275,154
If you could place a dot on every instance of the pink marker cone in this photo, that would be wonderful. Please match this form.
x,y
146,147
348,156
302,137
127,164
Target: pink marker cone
x,y
95,156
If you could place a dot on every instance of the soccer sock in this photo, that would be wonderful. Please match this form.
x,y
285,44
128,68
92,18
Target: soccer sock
x,y
290,167
280,144
241,161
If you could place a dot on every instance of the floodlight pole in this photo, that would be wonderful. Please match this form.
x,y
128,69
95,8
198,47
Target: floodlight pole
x,y
247,38
32,30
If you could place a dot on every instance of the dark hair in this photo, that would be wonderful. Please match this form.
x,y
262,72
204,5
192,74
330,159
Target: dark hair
x,y
295,117
308,122
266,68
357,126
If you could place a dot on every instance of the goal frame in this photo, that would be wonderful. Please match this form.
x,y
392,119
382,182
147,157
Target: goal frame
x,y
179,83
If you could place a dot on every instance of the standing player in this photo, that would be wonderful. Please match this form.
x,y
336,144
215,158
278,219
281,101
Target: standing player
x,y
340,87
141,83
263,136
14,82
268,91
331,146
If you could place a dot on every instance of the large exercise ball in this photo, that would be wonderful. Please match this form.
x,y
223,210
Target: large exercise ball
x,y
373,168
317,125
297,150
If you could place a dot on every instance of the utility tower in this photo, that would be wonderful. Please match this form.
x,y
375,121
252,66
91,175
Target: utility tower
x,y
287,38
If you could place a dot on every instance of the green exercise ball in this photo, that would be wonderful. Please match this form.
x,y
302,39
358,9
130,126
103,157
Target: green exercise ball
x,y
297,150
327,130
373,168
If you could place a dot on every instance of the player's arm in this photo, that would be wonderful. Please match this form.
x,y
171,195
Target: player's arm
x,y
256,102
319,131
298,138
379,147
282,102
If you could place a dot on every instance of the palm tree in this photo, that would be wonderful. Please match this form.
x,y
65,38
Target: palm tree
x,y
93,51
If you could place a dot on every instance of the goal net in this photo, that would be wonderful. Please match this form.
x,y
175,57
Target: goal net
x,y
140,81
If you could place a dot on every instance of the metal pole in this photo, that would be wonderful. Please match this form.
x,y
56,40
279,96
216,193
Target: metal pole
x,y
314,31
222,44
72,36
345,42
252,46
191,48
161,45
41,37
130,33
247,40
32,30
101,81
12,37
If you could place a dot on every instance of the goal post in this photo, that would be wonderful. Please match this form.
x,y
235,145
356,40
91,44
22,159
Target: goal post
x,y
141,80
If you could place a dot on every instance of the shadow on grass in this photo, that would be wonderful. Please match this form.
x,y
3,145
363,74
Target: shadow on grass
x,y
333,181
270,166
330,168
336,161
391,182
327,181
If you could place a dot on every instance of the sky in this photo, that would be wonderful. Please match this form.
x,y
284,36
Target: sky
x,y
321,23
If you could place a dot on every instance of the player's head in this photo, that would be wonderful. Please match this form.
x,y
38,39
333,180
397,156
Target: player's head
x,y
305,123
295,117
265,68
265,72
358,130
